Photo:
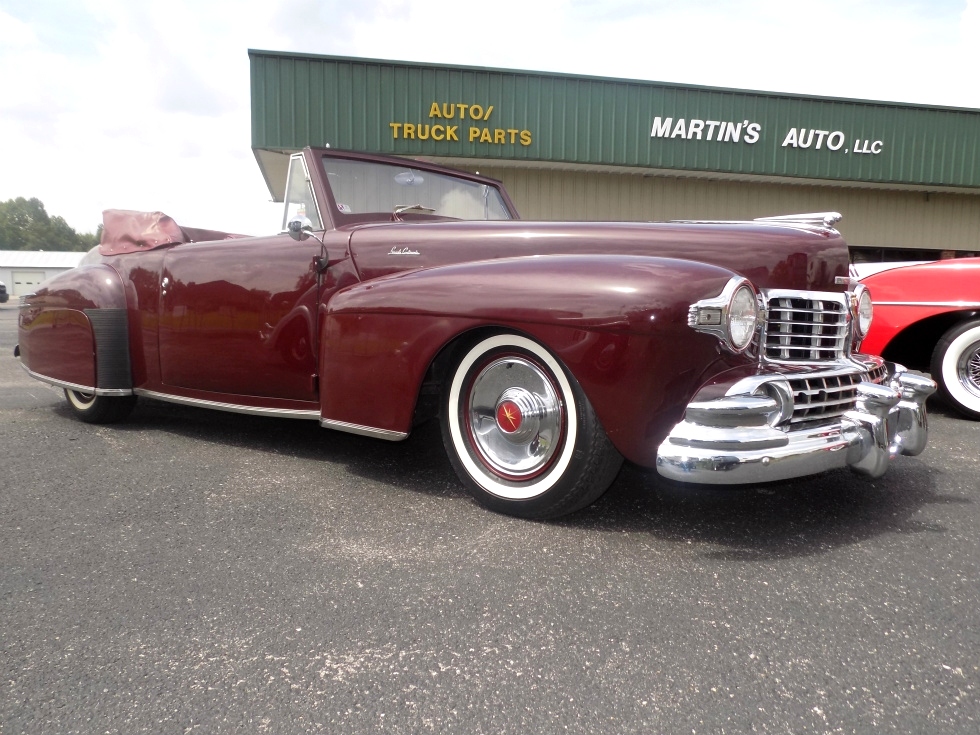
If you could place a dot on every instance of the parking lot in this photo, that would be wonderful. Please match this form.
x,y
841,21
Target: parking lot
x,y
201,571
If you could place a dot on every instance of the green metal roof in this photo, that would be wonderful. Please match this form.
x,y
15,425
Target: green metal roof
x,y
469,112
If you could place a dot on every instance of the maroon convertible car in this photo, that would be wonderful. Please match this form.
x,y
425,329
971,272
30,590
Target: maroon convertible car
x,y
398,291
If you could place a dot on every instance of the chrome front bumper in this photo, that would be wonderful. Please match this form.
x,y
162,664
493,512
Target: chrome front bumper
x,y
741,438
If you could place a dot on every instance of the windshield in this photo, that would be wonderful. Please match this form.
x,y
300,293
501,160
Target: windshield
x,y
366,187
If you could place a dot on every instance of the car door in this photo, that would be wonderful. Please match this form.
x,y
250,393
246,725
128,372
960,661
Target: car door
x,y
238,317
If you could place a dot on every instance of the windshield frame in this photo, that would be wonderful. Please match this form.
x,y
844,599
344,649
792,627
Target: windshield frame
x,y
341,218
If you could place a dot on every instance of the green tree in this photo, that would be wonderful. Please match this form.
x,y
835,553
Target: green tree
x,y
26,225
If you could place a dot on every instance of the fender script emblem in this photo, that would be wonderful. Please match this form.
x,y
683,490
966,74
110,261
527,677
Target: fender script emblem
x,y
403,251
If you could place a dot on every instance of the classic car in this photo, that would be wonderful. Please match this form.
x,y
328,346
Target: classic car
x,y
927,316
400,291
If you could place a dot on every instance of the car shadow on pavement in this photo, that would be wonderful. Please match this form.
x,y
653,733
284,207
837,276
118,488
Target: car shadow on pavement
x,y
779,520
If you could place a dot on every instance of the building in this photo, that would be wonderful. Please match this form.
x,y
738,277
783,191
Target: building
x,y
905,177
23,270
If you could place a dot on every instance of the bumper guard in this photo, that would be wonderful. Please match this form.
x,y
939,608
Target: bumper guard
x,y
737,439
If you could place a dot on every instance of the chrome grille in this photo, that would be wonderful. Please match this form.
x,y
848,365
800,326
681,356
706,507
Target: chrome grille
x,y
816,400
805,329
820,399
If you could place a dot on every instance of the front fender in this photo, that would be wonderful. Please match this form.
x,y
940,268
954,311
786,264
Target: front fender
x,y
617,323
73,331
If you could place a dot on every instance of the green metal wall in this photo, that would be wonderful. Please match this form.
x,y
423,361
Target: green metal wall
x,y
363,104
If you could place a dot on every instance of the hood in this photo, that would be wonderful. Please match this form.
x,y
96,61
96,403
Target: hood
x,y
770,255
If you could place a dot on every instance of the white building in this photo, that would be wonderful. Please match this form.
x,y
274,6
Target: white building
x,y
23,270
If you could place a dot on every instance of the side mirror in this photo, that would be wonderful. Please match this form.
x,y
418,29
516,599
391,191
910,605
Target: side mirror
x,y
299,228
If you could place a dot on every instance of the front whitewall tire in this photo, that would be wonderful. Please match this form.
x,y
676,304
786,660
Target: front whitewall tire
x,y
478,473
520,432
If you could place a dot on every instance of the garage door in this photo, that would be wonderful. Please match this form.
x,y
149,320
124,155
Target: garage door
x,y
24,282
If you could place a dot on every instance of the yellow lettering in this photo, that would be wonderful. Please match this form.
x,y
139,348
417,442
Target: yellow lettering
x,y
451,132
409,129
462,110
489,110
474,115
434,110
513,134
395,127
424,128
525,137
448,110
474,134
485,136
438,132
499,136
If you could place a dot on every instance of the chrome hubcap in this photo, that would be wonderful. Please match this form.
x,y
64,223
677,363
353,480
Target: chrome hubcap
x,y
516,418
968,368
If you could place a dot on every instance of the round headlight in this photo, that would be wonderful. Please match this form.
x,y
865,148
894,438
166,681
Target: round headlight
x,y
864,312
743,316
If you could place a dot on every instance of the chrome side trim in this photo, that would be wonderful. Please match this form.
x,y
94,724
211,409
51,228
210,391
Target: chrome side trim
x,y
281,413
386,434
75,386
951,304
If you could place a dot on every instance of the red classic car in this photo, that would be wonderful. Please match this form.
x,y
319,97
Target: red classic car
x,y
927,315
399,291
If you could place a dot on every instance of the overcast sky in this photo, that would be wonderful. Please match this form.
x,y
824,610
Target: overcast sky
x,y
144,104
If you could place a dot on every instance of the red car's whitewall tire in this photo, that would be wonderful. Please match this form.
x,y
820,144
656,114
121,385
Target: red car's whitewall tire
x,y
93,409
520,432
956,368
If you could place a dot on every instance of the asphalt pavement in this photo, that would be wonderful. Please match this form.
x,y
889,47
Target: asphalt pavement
x,y
195,571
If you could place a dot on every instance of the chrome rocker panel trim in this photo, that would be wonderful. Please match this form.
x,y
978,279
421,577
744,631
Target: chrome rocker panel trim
x,y
386,434
75,386
732,440
282,413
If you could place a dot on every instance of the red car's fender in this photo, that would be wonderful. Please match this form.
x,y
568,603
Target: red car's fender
x,y
74,330
917,297
622,334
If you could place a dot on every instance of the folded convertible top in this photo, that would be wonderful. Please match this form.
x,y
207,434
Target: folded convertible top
x,y
127,231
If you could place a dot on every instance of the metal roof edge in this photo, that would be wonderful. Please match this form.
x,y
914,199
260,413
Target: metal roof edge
x,y
614,80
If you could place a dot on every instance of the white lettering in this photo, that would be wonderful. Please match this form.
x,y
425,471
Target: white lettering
x,y
821,134
661,128
790,138
837,136
695,129
876,147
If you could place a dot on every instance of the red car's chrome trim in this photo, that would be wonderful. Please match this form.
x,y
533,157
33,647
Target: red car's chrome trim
x,y
282,413
387,434
75,386
952,304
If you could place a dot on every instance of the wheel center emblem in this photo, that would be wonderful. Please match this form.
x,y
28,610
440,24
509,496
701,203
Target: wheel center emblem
x,y
509,417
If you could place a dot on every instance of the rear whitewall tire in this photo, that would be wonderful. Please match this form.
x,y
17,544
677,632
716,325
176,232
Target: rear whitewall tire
x,y
94,409
566,461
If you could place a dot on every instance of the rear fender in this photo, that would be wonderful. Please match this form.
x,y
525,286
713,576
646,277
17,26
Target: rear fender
x,y
617,323
73,332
